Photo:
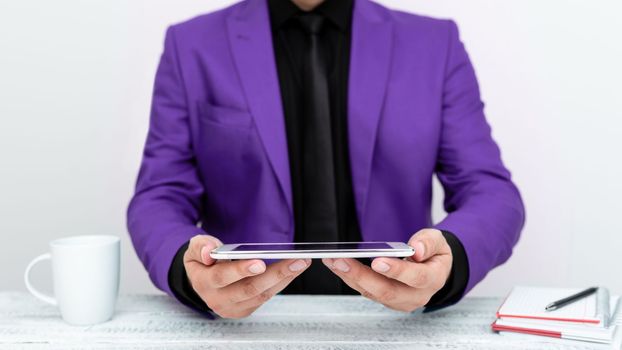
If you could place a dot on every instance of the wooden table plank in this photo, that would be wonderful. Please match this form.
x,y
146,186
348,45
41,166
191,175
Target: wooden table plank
x,y
286,322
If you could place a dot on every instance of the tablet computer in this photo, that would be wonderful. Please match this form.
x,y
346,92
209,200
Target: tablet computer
x,y
312,250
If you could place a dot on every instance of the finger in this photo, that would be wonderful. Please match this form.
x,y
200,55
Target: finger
x,y
378,287
417,275
427,243
199,248
351,283
225,273
275,273
220,261
247,307
235,313
255,302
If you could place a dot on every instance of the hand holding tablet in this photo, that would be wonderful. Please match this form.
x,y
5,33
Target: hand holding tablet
x,y
312,250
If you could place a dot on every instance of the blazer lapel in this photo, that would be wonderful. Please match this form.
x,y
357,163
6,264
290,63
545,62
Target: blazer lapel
x,y
250,37
371,52
248,29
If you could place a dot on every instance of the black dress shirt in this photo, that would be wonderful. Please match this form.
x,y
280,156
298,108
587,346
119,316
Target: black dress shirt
x,y
290,42
289,47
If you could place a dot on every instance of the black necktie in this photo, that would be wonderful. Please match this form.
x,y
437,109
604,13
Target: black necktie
x,y
320,207
319,196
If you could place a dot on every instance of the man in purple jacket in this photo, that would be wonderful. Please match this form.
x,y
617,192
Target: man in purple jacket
x,y
312,120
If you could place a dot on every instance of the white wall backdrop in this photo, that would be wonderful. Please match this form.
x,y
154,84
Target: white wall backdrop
x,y
75,84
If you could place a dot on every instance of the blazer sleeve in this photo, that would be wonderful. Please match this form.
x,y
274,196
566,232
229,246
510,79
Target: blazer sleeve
x,y
164,211
484,207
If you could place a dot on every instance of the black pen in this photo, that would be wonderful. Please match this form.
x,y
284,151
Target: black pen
x,y
571,299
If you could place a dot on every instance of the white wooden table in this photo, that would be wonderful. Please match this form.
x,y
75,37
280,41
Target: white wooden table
x,y
286,322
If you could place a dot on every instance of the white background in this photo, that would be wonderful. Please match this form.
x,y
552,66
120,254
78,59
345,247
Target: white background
x,y
75,84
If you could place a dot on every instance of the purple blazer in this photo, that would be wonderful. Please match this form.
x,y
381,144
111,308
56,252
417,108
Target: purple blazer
x,y
216,159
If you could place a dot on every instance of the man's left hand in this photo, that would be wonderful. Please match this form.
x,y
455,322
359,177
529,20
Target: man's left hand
x,y
401,284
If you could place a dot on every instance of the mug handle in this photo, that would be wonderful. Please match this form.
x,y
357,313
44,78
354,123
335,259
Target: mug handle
x,y
41,296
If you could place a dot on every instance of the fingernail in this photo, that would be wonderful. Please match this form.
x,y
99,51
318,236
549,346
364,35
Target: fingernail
x,y
256,268
381,266
419,247
341,265
204,254
297,265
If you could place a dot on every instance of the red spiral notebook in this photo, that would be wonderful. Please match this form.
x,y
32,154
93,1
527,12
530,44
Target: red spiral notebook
x,y
588,319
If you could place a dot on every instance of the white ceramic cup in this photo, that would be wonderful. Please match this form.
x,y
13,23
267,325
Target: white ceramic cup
x,y
85,272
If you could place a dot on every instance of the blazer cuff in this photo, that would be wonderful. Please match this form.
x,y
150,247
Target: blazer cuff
x,y
454,288
182,289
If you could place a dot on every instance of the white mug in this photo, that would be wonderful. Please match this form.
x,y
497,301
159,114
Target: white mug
x,y
85,272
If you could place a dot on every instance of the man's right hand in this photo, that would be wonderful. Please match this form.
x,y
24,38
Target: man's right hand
x,y
235,289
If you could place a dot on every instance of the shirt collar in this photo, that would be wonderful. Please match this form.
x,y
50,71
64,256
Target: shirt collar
x,y
339,12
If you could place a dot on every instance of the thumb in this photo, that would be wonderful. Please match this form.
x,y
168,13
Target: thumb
x,y
427,243
200,247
